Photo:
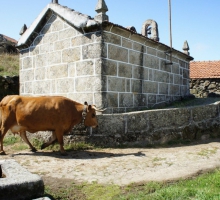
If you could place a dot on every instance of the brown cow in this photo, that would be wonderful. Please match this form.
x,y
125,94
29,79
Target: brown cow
x,y
47,113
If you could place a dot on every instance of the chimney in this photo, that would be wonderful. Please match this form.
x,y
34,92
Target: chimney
x,y
23,29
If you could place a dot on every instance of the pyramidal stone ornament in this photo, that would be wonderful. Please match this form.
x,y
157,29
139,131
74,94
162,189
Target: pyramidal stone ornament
x,y
101,9
186,48
23,29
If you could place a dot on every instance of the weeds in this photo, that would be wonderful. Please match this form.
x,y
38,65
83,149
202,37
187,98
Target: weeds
x,y
10,140
207,152
9,65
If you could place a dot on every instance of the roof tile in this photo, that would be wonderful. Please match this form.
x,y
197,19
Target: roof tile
x,y
205,69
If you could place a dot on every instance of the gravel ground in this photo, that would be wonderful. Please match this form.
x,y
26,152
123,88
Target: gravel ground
x,y
122,166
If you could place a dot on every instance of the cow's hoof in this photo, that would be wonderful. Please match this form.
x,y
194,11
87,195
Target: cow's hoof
x,y
34,149
64,153
2,153
43,146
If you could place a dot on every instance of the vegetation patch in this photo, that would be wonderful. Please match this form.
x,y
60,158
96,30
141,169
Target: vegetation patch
x,y
11,140
207,152
9,65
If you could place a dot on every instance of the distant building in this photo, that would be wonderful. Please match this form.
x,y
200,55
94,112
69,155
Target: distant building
x,y
7,44
205,78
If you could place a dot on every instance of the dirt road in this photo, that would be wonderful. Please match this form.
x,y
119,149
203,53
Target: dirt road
x,y
122,166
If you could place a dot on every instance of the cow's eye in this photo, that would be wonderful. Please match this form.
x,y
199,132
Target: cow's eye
x,y
93,115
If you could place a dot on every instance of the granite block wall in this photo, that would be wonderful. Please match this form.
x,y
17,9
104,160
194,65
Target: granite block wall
x,y
62,61
135,73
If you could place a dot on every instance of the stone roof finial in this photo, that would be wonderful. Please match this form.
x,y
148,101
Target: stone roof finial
x,y
101,9
23,29
54,1
186,48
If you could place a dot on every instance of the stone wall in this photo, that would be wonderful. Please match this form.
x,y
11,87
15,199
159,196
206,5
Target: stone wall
x,y
62,61
135,75
151,127
202,88
9,85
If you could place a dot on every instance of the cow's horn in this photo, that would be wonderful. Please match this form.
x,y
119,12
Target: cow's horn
x,y
100,110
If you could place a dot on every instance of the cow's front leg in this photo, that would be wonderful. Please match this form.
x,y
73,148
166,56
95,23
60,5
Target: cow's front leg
x,y
59,135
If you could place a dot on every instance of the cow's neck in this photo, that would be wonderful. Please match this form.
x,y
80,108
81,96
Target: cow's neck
x,y
82,110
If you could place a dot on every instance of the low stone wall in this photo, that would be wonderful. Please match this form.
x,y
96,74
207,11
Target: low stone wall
x,y
9,85
151,127
158,126
205,87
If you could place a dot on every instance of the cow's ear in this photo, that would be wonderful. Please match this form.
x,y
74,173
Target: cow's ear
x,y
85,103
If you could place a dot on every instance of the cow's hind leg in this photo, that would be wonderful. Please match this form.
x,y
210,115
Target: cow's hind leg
x,y
52,141
59,134
24,137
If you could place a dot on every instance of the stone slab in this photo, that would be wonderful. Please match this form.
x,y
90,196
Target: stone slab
x,y
19,183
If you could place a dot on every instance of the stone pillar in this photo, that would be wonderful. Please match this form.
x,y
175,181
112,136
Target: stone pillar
x,y
186,48
55,1
101,9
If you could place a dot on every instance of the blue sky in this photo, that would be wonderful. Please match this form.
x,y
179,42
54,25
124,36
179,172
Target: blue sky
x,y
196,21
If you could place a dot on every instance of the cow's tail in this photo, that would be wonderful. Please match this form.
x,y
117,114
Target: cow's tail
x,y
0,121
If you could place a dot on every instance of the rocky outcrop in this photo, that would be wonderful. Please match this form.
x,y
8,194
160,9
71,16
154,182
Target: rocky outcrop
x,y
202,88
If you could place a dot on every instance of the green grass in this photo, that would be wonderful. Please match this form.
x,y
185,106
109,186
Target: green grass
x,y
204,187
10,140
9,65
17,143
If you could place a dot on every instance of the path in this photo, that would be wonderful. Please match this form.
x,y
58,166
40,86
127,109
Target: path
x,y
122,166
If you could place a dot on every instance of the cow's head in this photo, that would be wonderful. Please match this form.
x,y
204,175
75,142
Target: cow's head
x,y
90,117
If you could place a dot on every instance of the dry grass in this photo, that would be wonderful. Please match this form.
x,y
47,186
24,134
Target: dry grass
x,y
9,65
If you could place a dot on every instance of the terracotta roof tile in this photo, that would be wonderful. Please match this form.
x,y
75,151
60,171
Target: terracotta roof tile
x,y
205,69
10,39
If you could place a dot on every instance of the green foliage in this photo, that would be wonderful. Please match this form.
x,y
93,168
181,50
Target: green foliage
x,y
78,146
20,147
9,65
37,143
10,140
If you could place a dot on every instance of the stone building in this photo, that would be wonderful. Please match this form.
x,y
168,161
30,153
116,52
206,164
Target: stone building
x,y
205,78
67,53
7,44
